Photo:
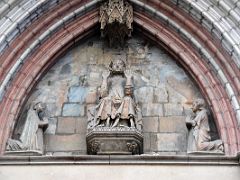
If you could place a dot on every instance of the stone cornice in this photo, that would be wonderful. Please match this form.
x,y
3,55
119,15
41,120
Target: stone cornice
x,y
121,160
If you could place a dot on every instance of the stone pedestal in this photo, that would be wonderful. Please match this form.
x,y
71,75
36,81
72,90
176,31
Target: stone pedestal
x,y
24,153
118,140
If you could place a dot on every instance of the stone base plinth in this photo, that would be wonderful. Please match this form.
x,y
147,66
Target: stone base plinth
x,y
119,140
24,153
205,153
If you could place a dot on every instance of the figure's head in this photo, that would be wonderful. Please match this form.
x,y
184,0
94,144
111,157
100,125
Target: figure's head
x,y
198,104
128,90
39,107
117,66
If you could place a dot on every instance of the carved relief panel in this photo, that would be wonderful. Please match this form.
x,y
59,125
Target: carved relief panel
x,y
139,90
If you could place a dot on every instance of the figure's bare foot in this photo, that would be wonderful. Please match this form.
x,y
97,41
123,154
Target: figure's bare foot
x,y
108,122
116,122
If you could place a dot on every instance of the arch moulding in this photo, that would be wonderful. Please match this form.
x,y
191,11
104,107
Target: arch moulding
x,y
43,56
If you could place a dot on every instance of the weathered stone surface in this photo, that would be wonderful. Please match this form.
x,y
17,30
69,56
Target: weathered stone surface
x,y
52,125
114,141
144,94
161,88
61,98
160,95
146,142
171,142
172,124
74,81
91,97
65,142
81,125
66,69
30,133
73,110
152,109
150,124
66,125
77,94
94,76
172,109
153,142
62,153
183,86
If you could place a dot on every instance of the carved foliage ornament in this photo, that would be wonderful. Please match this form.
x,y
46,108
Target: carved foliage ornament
x,y
116,17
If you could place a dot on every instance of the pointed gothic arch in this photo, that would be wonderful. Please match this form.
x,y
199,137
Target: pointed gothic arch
x,y
33,51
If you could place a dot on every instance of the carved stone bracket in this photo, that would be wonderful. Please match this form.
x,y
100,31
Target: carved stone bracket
x,y
107,141
93,147
116,17
133,147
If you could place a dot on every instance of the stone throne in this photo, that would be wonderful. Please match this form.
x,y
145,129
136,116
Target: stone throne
x,y
115,123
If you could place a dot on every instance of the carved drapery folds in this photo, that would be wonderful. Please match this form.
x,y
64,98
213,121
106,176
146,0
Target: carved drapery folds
x,y
116,117
199,140
116,105
30,141
116,17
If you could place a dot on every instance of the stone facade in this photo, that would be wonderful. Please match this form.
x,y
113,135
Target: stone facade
x,y
203,36
199,34
162,89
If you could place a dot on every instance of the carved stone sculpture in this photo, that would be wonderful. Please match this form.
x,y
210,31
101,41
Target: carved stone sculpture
x,y
199,139
31,138
117,106
116,17
116,120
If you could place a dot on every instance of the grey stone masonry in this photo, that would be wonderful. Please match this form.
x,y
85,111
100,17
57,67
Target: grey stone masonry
x,y
71,88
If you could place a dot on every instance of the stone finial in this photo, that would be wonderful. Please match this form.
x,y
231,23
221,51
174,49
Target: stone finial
x,y
116,17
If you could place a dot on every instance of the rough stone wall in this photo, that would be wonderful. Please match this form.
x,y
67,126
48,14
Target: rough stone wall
x,y
162,89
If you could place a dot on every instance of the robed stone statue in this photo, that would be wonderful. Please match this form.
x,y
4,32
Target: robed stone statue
x,y
116,105
199,139
31,138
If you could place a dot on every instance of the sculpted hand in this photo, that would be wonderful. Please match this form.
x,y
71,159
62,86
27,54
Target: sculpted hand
x,y
105,74
128,73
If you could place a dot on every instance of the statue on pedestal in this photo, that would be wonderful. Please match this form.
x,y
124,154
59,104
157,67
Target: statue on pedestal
x,y
117,106
31,138
199,135
115,123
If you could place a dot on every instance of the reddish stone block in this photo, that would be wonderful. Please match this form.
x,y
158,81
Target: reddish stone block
x,y
223,135
14,108
237,82
220,120
186,58
20,94
91,97
210,93
232,135
215,104
203,81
